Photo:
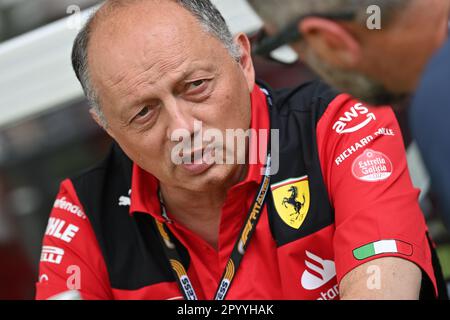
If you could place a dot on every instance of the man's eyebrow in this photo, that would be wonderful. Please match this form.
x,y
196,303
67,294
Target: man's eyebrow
x,y
137,101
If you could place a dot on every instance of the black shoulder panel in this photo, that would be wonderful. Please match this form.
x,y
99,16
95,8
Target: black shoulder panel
x,y
130,244
295,113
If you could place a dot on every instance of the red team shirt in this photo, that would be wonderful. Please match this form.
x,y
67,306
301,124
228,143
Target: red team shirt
x,y
364,169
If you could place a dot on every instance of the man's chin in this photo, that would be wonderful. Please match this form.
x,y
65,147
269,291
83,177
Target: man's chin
x,y
373,93
199,174
206,178
360,86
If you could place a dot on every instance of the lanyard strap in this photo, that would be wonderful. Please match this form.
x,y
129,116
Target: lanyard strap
x,y
237,254
246,234
174,259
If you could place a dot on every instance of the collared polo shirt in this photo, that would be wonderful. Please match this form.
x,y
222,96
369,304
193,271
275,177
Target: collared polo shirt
x,y
341,197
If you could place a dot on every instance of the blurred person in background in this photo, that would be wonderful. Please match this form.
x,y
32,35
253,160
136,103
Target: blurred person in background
x,y
141,226
377,51
430,114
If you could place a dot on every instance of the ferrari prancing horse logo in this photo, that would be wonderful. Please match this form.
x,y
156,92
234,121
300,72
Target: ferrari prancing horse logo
x,y
292,199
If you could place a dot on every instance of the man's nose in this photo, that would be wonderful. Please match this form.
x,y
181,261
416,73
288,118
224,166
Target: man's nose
x,y
180,118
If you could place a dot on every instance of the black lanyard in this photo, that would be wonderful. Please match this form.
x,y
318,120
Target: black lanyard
x,y
238,251
240,246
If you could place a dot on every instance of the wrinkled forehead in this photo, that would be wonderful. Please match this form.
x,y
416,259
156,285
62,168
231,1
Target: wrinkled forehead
x,y
136,37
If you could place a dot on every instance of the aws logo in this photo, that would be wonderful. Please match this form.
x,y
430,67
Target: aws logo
x,y
353,120
292,199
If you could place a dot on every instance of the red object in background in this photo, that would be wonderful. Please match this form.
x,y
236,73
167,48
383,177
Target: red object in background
x,y
16,273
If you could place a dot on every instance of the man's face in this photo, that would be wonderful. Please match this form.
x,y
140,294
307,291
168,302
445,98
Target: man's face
x,y
157,71
397,56
390,61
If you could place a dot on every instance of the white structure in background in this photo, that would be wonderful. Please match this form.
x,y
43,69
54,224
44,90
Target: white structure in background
x,y
36,73
35,68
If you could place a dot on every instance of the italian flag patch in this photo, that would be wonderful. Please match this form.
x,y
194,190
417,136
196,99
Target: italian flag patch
x,y
381,247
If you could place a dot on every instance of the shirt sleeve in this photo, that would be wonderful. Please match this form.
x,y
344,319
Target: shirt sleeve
x,y
71,258
364,165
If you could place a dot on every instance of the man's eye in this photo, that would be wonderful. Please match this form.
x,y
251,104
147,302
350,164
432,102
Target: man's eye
x,y
198,83
195,85
143,112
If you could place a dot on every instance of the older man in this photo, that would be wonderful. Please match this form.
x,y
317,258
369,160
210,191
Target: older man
x,y
375,50
333,215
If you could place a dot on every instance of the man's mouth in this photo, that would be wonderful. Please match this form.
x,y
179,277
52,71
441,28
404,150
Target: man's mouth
x,y
195,157
198,161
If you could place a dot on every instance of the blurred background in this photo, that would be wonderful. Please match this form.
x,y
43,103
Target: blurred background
x,y
46,133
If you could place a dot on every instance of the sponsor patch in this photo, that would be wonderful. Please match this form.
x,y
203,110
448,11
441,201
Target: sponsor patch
x,y
354,119
372,166
382,247
318,272
385,132
52,254
291,198
59,229
63,204
125,201
354,148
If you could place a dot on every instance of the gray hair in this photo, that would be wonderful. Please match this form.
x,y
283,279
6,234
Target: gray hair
x,y
204,11
281,14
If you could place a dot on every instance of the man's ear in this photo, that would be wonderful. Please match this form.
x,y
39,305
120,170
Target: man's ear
x,y
246,61
97,119
333,43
